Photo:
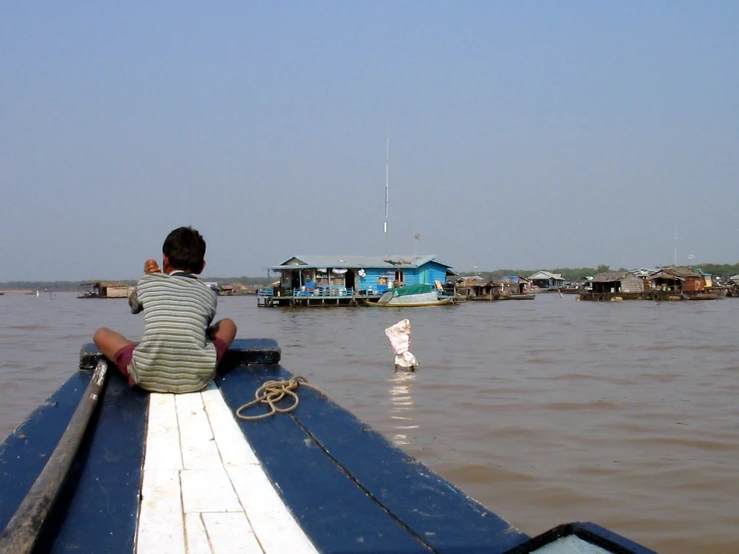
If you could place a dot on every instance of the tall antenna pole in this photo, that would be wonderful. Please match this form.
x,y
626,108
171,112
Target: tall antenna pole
x,y
387,185
674,260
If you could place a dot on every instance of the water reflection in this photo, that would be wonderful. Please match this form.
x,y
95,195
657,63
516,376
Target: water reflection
x,y
401,406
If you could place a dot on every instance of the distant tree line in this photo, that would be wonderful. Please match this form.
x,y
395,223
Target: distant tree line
x,y
56,286
66,286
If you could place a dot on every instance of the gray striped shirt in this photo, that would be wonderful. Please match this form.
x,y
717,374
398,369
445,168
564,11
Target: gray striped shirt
x,y
174,354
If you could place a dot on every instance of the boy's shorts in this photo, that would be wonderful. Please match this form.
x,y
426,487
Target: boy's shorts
x,y
121,360
124,355
221,348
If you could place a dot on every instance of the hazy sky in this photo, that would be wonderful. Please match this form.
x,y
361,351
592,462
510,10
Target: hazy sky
x,y
523,134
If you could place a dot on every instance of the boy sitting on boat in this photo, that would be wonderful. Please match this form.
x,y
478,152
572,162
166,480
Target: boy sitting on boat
x,y
180,350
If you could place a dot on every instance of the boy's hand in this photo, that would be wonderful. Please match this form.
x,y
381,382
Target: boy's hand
x,y
151,266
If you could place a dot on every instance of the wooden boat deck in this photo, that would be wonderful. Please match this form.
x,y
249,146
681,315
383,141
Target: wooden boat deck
x,y
203,489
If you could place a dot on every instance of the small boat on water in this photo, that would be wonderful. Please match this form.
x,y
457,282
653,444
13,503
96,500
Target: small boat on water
x,y
412,296
102,467
520,296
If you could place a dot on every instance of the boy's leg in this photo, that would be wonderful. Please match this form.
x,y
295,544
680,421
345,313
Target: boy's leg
x,y
116,348
222,333
225,330
109,342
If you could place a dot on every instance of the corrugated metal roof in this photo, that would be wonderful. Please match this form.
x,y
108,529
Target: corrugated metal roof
x,y
474,280
318,261
609,276
545,275
679,272
514,278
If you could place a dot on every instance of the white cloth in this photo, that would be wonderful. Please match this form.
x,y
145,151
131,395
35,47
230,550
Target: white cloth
x,y
400,339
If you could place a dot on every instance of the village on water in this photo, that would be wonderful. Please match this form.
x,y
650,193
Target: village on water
x,y
425,280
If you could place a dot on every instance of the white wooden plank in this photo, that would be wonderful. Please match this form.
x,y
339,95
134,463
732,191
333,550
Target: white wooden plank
x,y
199,450
197,538
232,444
272,521
160,526
200,508
208,490
162,434
231,534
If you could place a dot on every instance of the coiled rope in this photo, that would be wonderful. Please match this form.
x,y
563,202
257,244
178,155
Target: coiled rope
x,y
271,392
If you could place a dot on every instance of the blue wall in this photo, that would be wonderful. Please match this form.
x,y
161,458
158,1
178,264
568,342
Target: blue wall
x,y
425,274
430,272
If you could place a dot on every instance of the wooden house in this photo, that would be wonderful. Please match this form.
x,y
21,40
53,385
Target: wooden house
x,y
477,288
546,280
677,279
104,289
365,275
616,282
514,284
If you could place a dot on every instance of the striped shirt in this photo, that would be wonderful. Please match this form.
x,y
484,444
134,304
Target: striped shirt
x,y
174,354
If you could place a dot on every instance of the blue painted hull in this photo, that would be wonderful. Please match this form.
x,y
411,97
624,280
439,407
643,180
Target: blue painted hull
x,y
100,498
341,480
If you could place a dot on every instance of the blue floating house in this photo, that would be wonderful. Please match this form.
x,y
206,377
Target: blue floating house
x,y
368,275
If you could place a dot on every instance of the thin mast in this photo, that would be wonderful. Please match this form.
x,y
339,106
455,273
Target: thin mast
x,y
387,186
674,253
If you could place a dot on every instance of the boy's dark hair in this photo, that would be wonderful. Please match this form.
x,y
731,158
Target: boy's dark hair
x,y
185,248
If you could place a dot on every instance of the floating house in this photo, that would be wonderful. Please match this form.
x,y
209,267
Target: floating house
x,y
221,290
667,283
104,289
547,281
677,279
616,282
514,284
477,288
349,277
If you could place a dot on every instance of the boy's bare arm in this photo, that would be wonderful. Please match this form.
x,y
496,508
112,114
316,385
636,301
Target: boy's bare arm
x,y
151,266
133,301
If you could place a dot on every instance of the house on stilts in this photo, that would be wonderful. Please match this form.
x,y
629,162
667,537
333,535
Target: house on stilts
x,y
321,280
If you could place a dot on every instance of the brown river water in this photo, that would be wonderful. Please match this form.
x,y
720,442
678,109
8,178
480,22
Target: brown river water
x,y
547,411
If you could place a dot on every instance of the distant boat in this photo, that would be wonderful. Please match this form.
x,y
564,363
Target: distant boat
x,y
521,296
412,296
